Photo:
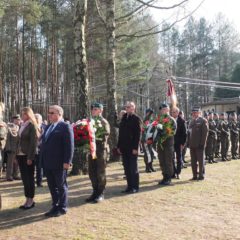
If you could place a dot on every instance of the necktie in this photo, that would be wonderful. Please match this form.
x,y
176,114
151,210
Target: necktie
x,y
49,131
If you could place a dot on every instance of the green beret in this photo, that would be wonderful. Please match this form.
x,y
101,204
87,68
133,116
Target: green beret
x,y
96,105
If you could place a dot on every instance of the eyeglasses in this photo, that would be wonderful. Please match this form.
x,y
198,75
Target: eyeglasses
x,y
51,113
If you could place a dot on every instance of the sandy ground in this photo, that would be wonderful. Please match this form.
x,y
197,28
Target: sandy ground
x,y
208,209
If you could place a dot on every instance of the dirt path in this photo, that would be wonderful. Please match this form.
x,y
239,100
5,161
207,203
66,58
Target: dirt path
x,y
186,210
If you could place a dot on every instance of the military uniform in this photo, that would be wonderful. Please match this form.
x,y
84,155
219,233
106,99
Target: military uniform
x,y
197,136
211,141
234,135
165,146
147,147
97,166
224,134
218,141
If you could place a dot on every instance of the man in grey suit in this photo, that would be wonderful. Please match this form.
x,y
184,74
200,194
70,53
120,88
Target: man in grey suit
x,y
197,137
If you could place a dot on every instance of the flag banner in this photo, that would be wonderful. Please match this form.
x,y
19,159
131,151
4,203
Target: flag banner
x,y
171,94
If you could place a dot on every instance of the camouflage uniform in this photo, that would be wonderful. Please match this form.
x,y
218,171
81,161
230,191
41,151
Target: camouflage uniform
x,y
97,167
234,135
198,132
218,141
211,141
224,129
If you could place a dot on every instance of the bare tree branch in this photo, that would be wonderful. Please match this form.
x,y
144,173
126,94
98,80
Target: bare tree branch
x,y
100,13
133,11
162,8
137,35
130,17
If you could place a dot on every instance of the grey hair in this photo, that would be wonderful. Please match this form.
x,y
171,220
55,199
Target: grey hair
x,y
58,108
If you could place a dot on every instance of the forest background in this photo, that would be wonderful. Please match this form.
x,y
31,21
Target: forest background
x,y
124,54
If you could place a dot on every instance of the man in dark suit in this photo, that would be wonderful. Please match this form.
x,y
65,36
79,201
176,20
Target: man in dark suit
x,y
56,155
128,143
179,141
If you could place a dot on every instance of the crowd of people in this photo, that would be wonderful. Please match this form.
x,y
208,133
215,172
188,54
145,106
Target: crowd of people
x,y
34,147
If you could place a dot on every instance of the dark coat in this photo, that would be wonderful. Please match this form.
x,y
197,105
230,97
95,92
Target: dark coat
x,y
58,148
27,143
181,133
129,133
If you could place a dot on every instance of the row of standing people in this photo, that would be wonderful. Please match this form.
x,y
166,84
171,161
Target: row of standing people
x,y
223,132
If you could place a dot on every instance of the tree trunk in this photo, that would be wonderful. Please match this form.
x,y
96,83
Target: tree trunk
x,y
81,87
80,59
111,72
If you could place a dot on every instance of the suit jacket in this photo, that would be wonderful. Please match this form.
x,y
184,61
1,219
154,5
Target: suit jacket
x,y
181,133
198,132
58,148
129,133
27,143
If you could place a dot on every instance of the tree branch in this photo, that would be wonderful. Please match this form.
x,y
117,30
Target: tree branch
x,y
137,35
162,8
133,11
100,13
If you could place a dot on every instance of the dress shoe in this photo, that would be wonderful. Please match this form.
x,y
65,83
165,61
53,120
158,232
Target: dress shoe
x,y
165,182
201,178
51,212
17,178
91,198
210,161
10,179
224,159
178,176
132,191
99,199
26,207
194,179
214,161
127,190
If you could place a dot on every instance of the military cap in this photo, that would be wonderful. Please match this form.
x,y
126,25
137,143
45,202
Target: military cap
x,y
215,114
96,105
149,110
17,116
196,109
209,113
163,105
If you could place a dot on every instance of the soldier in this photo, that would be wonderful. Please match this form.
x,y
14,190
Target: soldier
x,y
97,167
146,145
218,142
211,139
224,129
234,135
197,136
165,145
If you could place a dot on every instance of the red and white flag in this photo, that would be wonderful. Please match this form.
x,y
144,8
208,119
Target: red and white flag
x,y
171,94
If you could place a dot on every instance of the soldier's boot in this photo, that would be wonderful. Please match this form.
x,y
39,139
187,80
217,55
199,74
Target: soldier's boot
x,y
92,197
213,161
151,167
148,169
210,160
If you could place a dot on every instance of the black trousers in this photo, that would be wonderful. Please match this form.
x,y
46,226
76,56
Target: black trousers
x,y
179,162
131,170
27,175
